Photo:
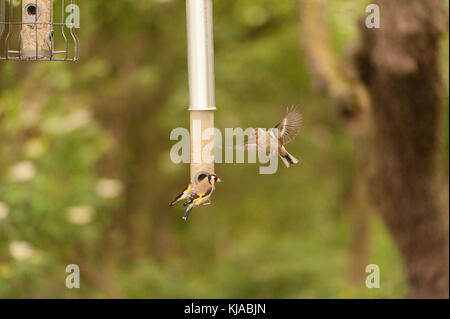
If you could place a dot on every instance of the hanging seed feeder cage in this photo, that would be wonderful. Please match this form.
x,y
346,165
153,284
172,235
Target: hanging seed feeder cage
x,y
38,30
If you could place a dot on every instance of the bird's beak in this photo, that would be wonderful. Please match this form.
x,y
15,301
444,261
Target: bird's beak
x,y
219,180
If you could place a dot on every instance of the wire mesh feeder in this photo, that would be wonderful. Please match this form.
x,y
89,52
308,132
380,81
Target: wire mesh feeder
x,y
29,30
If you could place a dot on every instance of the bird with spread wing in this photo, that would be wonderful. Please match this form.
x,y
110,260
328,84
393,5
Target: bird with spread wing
x,y
274,140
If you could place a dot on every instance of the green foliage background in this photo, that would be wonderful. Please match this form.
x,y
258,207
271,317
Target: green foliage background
x,y
110,115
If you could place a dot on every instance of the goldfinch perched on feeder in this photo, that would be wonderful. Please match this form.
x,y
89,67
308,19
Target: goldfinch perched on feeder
x,y
287,130
197,195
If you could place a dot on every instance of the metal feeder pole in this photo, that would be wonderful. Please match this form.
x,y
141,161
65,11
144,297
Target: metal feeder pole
x,y
201,82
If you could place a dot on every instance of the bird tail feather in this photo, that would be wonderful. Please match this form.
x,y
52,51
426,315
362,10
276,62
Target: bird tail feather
x,y
188,211
289,160
188,202
176,200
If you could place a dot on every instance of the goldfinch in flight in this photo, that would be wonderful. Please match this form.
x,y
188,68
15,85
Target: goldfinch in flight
x,y
287,130
197,195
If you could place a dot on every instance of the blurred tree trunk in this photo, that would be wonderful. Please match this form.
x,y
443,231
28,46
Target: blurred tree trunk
x,y
399,64
392,105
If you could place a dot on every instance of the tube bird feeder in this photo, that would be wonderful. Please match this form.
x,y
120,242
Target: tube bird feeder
x,y
39,30
201,85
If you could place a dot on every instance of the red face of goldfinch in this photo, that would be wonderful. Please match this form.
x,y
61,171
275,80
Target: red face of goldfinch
x,y
214,179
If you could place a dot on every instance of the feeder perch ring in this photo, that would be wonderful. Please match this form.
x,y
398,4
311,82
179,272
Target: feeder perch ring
x,y
200,176
33,12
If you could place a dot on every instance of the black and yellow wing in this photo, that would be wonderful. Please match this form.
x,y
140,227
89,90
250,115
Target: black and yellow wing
x,y
183,195
196,197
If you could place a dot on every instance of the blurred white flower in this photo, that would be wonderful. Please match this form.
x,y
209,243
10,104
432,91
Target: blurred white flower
x,y
58,124
80,215
109,188
22,171
21,250
4,210
76,120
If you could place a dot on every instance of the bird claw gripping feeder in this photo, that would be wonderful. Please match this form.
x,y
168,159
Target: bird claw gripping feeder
x,y
38,30
201,84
